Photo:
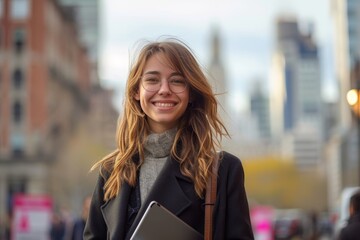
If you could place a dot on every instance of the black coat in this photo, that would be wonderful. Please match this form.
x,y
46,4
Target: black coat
x,y
78,229
352,229
176,192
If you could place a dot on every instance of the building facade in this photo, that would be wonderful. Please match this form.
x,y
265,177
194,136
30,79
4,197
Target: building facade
x,y
45,87
345,141
346,15
217,76
296,104
87,18
259,107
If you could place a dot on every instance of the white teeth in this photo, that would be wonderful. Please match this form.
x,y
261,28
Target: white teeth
x,y
158,104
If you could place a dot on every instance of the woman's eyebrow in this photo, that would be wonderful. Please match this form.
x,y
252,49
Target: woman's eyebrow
x,y
152,72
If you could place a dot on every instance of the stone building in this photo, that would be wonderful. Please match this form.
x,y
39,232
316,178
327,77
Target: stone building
x,y
44,94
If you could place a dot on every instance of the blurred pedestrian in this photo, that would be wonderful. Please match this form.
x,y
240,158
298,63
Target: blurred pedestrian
x,y
58,227
314,225
352,230
167,140
5,224
79,224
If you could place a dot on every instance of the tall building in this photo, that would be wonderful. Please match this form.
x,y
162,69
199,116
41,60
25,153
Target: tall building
x,y
220,86
259,106
346,15
345,143
277,95
217,72
86,14
45,87
296,103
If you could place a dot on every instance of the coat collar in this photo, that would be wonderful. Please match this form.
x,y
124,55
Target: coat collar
x,y
166,191
114,212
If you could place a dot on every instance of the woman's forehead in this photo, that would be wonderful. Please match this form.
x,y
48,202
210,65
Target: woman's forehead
x,y
163,59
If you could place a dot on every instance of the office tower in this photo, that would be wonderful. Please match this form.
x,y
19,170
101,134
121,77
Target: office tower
x,y
345,141
346,15
259,106
217,72
296,93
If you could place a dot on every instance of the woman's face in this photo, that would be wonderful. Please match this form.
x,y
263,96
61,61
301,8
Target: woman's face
x,y
163,107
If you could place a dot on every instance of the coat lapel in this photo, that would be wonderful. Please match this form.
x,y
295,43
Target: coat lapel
x,y
166,191
115,212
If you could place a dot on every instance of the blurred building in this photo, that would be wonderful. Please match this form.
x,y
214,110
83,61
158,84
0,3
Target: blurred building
x,y
45,88
259,106
86,14
344,143
249,132
218,82
217,75
295,95
346,15
103,116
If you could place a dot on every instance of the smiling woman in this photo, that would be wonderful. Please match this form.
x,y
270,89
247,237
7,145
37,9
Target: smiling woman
x,y
163,94
167,138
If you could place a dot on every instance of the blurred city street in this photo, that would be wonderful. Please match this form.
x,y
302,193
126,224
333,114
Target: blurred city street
x,y
287,78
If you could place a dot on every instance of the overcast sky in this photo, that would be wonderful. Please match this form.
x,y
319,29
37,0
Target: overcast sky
x,y
247,34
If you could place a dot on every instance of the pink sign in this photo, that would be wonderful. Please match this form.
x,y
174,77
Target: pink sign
x,y
261,220
32,217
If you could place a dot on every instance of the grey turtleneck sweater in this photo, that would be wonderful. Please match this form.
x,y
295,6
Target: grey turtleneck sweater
x,y
156,150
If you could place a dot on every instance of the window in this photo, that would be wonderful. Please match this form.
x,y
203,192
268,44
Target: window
x,y
17,112
310,108
17,143
15,185
20,9
1,8
18,78
19,39
1,35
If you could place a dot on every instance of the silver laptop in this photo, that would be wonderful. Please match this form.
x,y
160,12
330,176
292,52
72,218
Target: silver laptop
x,y
158,223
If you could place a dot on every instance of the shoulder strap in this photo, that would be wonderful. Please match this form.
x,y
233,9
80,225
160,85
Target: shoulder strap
x,y
210,198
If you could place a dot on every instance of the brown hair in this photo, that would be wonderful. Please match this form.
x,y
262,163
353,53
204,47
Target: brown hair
x,y
198,134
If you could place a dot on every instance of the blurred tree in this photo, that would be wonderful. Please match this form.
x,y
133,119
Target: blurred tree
x,y
277,182
71,177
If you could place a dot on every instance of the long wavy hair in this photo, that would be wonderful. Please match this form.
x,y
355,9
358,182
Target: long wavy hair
x,y
199,131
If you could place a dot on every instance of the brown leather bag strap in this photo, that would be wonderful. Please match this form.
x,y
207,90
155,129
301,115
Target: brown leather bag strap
x,y
210,198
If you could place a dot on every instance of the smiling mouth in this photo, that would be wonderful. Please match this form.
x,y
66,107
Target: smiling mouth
x,y
159,104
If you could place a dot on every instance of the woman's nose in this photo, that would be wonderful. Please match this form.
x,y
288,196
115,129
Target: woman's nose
x,y
164,88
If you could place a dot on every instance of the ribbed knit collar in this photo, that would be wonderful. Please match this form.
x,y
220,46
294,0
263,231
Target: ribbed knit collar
x,y
158,145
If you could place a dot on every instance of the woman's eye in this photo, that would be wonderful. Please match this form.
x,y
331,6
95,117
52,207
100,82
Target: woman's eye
x,y
151,80
177,81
